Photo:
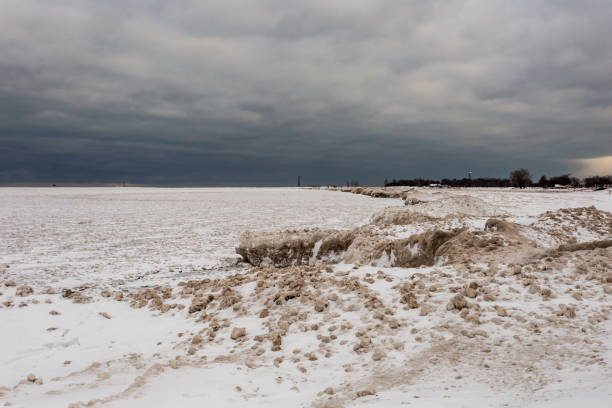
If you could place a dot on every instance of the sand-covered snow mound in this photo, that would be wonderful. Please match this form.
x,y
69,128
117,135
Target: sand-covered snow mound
x,y
377,192
458,205
418,250
289,248
360,246
399,216
570,225
418,196
369,245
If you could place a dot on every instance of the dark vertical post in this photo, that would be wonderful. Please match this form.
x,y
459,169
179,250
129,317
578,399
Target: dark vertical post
x,y
299,185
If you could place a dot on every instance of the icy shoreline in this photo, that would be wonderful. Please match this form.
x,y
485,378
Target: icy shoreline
x,y
504,322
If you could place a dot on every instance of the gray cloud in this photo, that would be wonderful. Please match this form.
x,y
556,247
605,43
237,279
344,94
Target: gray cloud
x,y
256,92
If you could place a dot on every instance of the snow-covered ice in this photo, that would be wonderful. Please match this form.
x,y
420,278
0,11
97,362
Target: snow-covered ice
x,y
72,236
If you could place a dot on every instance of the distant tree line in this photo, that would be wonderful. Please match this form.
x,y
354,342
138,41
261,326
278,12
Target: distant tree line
x,y
464,182
520,178
597,181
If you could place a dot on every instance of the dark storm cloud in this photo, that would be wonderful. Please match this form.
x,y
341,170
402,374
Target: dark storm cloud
x,y
256,92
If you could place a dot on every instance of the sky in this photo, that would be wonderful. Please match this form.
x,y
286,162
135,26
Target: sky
x,y
237,92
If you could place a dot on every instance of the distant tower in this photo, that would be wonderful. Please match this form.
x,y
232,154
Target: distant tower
x,y
470,174
299,185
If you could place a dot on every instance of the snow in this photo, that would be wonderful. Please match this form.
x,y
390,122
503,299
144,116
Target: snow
x,y
130,239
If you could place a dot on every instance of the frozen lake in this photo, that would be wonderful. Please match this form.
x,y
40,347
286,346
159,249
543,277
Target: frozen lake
x,y
72,236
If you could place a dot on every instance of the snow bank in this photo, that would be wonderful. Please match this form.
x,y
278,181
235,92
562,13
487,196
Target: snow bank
x,y
571,225
399,216
458,205
360,246
289,248
377,192
418,196
418,250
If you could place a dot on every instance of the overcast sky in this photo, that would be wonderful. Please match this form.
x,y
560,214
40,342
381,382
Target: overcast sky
x,y
229,92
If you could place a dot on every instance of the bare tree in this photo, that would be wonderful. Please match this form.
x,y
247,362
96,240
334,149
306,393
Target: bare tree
x,y
520,178
543,182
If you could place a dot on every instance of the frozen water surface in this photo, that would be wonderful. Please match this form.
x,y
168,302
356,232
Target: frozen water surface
x,y
80,235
